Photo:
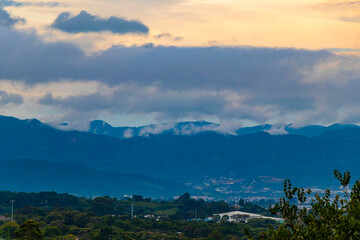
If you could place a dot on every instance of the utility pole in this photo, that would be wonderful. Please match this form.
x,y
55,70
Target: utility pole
x,y
195,213
12,210
132,210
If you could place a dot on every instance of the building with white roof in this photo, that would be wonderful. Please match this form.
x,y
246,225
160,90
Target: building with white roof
x,y
238,216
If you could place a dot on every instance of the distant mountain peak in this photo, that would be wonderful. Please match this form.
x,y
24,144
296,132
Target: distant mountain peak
x,y
176,128
35,123
194,127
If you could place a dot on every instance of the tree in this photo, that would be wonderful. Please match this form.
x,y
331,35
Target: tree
x,y
105,233
215,235
102,206
52,231
69,237
29,230
328,218
8,229
137,198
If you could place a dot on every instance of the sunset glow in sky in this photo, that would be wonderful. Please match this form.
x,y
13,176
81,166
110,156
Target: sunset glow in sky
x,y
310,24
134,62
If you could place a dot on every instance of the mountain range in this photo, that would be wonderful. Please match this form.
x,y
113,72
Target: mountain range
x,y
189,128
174,160
180,128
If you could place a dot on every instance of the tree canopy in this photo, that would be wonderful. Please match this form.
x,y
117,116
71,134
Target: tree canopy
x,y
329,215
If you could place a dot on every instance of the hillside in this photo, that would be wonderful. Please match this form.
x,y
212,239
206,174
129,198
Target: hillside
x,y
34,176
260,157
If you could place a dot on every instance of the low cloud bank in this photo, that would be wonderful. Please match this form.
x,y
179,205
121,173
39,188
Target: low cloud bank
x,y
170,83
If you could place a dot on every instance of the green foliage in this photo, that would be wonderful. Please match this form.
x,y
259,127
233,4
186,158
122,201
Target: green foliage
x,y
29,230
188,206
329,217
42,199
52,231
102,206
252,208
70,225
8,229
215,235
68,237
109,218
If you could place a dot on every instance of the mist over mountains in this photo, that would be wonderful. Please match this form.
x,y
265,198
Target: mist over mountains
x,y
166,161
180,128
189,128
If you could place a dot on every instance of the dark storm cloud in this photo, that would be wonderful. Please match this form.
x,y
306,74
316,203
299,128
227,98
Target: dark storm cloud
x,y
85,22
6,20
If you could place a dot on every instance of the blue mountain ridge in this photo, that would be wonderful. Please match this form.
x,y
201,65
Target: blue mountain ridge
x,y
32,175
262,157
185,128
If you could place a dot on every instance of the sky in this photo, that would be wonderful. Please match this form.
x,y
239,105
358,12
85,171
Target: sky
x,y
136,62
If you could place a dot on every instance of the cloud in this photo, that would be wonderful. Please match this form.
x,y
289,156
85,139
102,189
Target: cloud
x,y
177,39
348,3
353,19
45,4
228,83
128,133
6,20
176,68
148,45
163,35
6,98
170,83
135,99
345,3
26,58
168,36
156,129
85,22
11,3
277,129
8,3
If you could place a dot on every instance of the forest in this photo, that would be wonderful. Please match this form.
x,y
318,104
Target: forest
x,y
333,215
48,215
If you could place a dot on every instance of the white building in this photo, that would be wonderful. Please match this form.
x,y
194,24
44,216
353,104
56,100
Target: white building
x,y
238,216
